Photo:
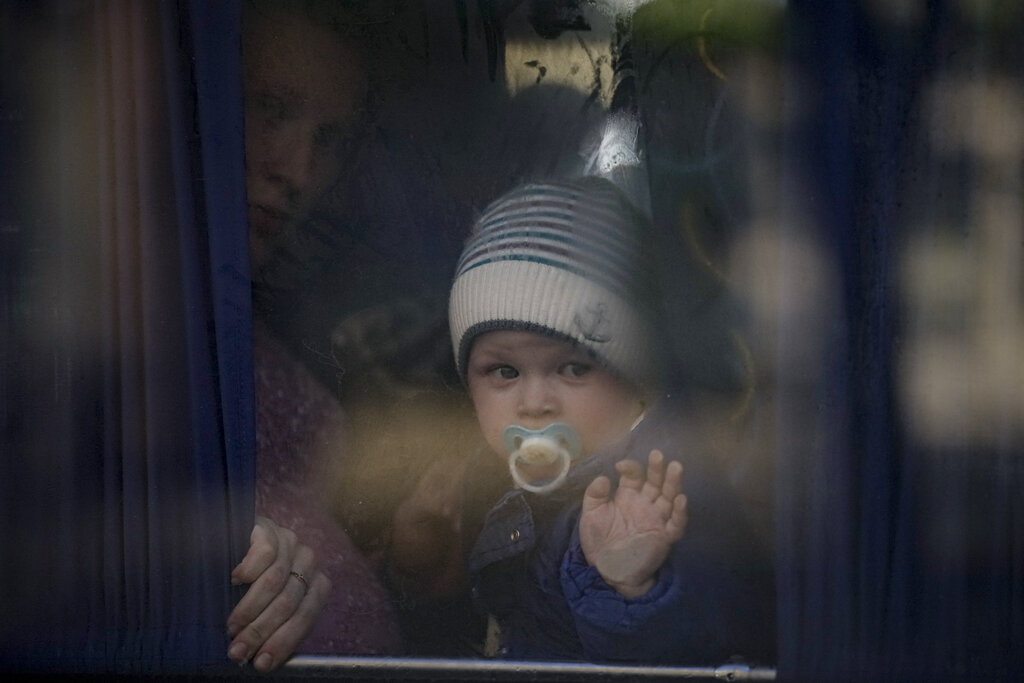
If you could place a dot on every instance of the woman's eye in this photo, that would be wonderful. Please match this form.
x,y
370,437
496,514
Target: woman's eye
x,y
327,137
269,107
576,370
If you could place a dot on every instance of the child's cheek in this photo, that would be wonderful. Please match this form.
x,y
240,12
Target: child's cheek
x,y
495,442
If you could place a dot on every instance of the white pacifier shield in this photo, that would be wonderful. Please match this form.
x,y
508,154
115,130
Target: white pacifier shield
x,y
557,443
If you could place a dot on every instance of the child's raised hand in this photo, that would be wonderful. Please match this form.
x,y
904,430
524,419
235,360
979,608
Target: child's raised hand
x,y
628,537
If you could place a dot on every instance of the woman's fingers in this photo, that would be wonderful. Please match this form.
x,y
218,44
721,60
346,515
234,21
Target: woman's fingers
x,y
275,633
284,640
265,543
271,555
286,596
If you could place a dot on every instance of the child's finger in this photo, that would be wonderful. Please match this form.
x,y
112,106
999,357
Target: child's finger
x,y
596,494
673,480
676,524
632,475
655,473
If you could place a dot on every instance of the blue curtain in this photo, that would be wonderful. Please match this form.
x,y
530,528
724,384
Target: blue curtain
x,y
126,398
898,559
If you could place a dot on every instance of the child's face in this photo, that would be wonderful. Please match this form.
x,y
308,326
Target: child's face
x,y
532,380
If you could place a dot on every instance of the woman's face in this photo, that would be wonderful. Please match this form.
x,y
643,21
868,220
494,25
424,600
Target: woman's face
x,y
304,88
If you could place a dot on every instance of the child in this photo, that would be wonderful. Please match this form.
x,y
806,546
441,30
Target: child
x,y
596,554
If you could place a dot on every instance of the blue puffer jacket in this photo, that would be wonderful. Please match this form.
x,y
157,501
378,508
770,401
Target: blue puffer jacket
x,y
714,595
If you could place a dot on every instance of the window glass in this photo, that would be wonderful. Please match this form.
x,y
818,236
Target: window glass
x,y
678,106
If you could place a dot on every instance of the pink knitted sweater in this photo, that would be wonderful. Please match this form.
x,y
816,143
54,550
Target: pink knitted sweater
x,y
299,425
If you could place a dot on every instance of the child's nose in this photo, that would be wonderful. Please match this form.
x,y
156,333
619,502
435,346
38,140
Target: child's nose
x,y
537,398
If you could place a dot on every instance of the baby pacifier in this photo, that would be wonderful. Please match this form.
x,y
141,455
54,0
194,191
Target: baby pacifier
x,y
556,445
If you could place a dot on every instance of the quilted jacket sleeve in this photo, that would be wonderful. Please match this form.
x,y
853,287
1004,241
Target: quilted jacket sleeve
x,y
680,620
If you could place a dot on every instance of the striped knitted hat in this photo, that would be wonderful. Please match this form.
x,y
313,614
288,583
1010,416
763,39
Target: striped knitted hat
x,y
559,258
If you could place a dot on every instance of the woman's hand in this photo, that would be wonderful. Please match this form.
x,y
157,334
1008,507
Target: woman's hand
x,y
286,596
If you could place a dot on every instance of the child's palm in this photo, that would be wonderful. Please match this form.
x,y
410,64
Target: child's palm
x,y
628,537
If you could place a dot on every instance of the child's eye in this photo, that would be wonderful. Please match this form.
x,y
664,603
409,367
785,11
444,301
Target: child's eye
x,y
576,370
504,372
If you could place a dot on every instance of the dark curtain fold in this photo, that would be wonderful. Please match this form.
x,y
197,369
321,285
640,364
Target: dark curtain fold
x,y
899,559
127,401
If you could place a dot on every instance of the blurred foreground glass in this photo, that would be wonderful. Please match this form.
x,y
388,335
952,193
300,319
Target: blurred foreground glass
x,y
852,177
